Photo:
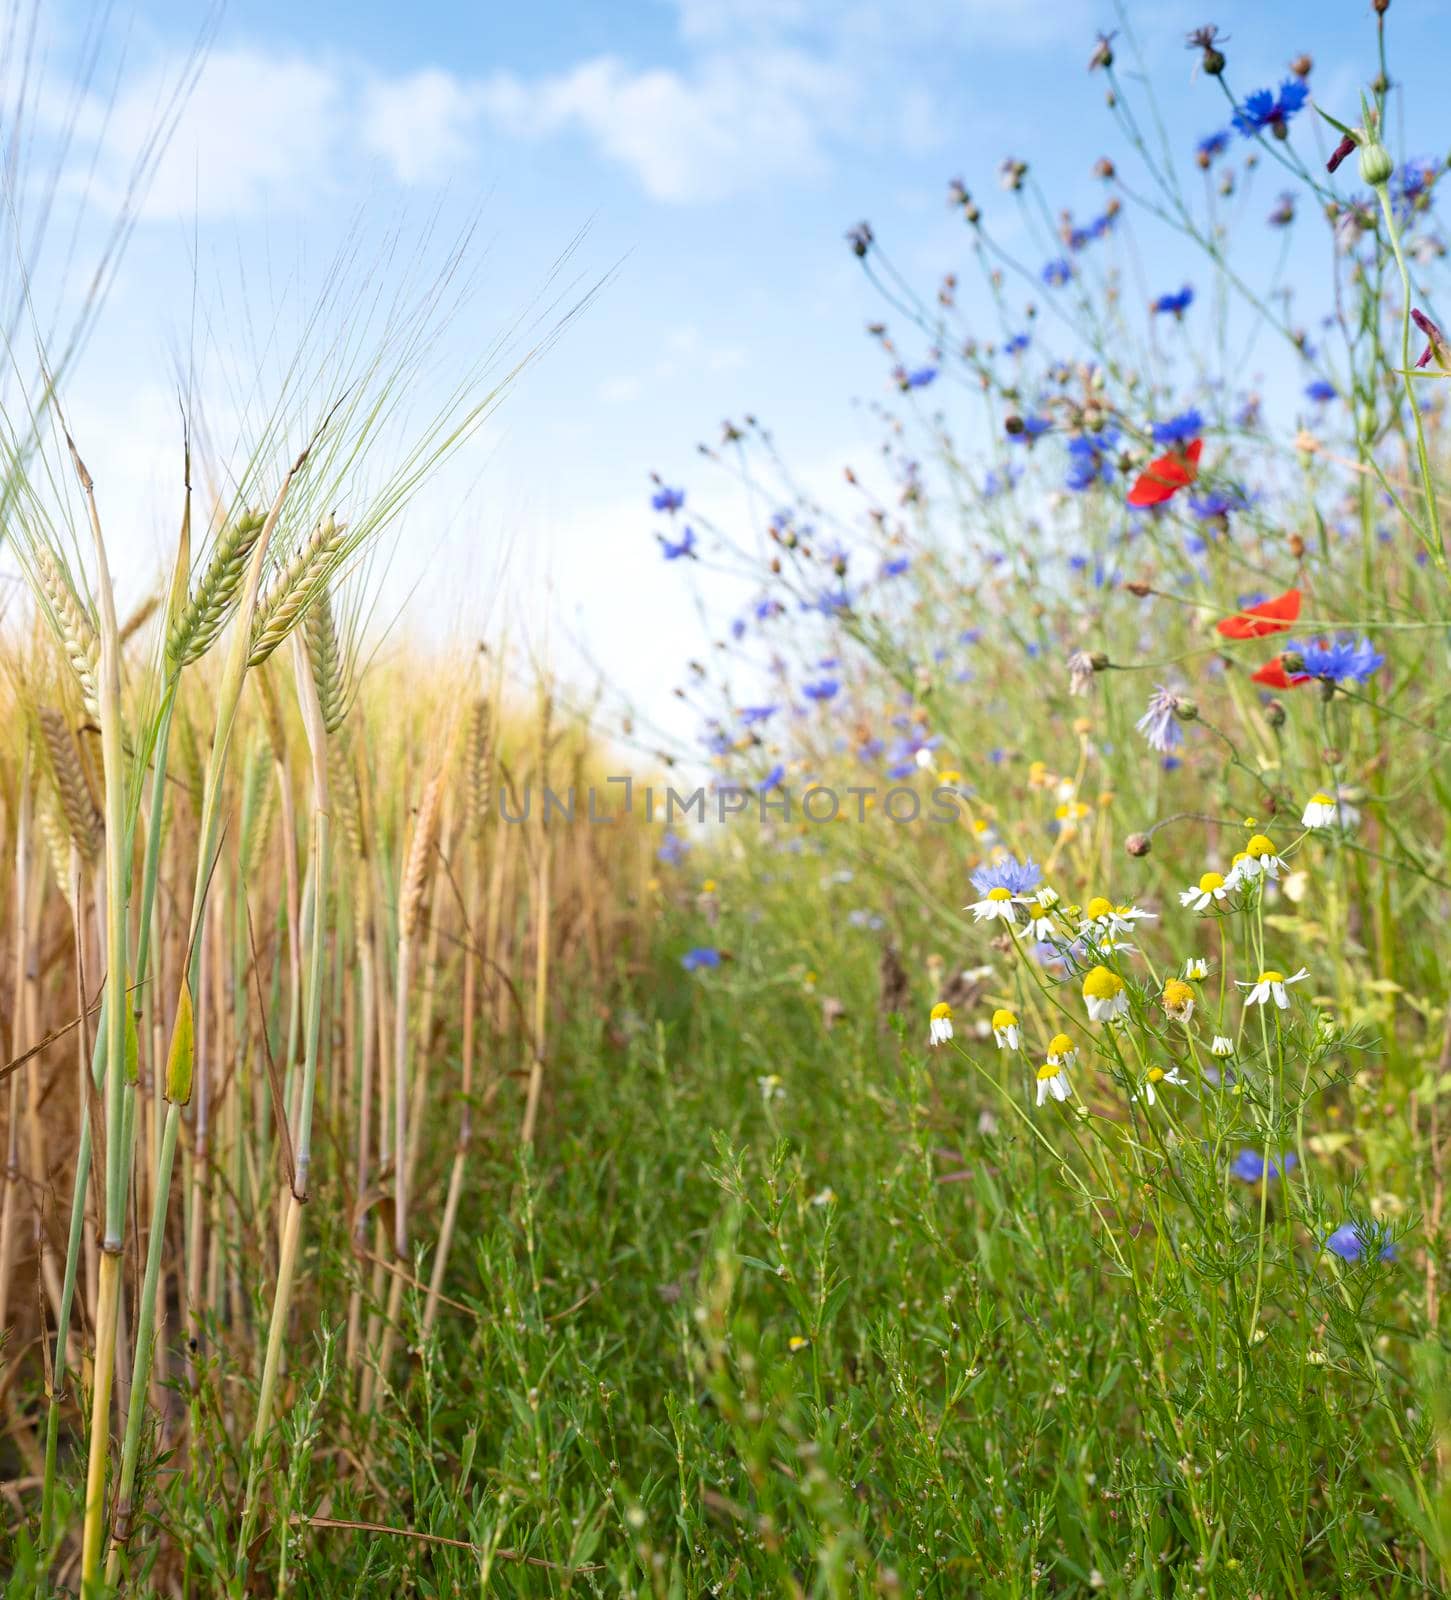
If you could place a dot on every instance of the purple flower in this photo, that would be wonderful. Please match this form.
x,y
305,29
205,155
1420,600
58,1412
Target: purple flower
x,y
1210,146
1160,723
823,689
1179,430
772,780
701,958
1345,661
1320,391
1017,877
1217,503
1033,428
751,715
896,567
685,546
1267,112
1089,459
667,499
921,377
1174,305
1057,273
1250,1166
673,849
1351,1240
1016,345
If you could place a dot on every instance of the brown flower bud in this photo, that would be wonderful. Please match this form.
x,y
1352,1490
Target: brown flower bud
x,y
1138,844
1275,713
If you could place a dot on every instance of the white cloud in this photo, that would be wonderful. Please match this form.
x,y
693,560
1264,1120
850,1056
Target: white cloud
x,y
255,132
423,125
729,122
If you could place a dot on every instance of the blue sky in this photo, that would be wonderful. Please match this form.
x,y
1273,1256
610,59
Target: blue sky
x,y
714,150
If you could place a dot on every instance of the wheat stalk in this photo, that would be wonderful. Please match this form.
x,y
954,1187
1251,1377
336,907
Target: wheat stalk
x,y
202,618
293,590
72,622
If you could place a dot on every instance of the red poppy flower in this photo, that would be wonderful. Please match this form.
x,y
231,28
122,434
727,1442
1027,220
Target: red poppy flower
x,y
1274,676
1162,479
1269,616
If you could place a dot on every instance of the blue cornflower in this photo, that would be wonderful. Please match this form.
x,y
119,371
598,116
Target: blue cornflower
x,y
1033,428
1350,1240
1411,183
921,377
825,689
1089,460
685,546
1345,661
667,499
1320,391
1057,272
773,779
1174,305
672,849
828,602
751,715
1210,146
1217,503
1250,1166
1017,877
1160,723
1267,112
1018,343
896,567
766,609
1179,430
702,957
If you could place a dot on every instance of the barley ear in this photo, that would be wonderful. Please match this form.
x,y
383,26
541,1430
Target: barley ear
x,y
295,587
72,622
203,616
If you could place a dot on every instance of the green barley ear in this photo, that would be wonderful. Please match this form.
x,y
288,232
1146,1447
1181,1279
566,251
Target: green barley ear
x,y
72,790
193,632
295,587
181,1057
72,622
55,832
329,662
178,599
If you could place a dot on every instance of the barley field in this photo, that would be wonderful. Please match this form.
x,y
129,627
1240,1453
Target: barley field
x,y
930,1088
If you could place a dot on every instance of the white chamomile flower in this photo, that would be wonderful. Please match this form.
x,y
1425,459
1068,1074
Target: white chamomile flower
x,y
1061,1051
1321,811
1196,968
1041,925
1210,888
1052,1080
771,1087
941,1022
1101,916
1221,1046
1271,986
1103,994
995,905
1178,1000
1005,1029
1261,851
1157,1075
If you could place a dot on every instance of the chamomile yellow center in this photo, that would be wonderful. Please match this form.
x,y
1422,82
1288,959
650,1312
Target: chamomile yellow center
x,y
1272,977
1177,993
1046,1071
1101,984
1004,1019
1098,907
1156,1074
1210,882
1059,1045
999,894
942,1012
1259,845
